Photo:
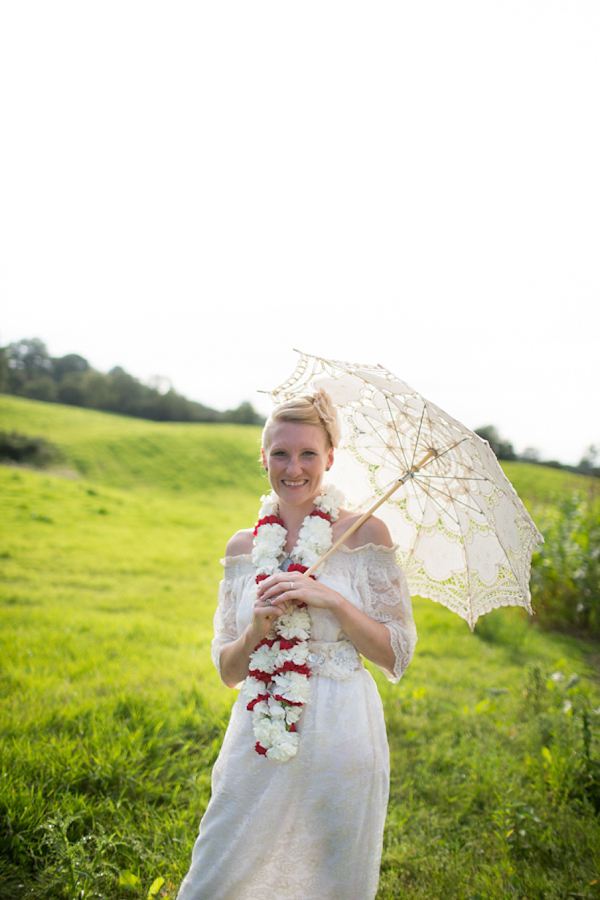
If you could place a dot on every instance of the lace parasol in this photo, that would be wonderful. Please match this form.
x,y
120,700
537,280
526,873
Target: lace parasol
x,y
464,537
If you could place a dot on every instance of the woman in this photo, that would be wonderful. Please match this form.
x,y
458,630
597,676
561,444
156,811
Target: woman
x,y
300,788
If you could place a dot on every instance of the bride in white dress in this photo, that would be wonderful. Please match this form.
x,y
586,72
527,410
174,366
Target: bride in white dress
x,y
300,788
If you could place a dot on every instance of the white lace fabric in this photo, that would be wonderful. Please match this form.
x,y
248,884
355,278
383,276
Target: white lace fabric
x,y
312,827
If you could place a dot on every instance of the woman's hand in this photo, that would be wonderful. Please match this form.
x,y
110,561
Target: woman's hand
x,y
235,656
370,638
266,611
295,587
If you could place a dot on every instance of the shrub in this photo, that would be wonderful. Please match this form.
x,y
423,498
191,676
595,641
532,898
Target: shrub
x,y
21,448
565,578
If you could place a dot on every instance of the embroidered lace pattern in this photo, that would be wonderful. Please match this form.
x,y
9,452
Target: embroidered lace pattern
x,y
334,659
383,589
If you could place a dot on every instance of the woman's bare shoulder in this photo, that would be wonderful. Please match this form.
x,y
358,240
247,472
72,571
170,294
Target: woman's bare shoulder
x,y
240,543
372,531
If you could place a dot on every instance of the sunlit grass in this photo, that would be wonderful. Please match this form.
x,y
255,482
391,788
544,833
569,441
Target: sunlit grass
x,y
112,714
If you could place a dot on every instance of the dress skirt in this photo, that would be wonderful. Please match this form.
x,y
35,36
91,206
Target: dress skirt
x,y
310,828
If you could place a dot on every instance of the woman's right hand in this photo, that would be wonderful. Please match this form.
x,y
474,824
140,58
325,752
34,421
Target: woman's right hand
x,y
266,613
235,657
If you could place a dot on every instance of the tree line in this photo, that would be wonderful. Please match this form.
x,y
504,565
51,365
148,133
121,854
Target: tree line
x,y
505,450
28,370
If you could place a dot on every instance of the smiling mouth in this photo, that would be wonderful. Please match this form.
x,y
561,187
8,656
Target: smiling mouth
x,y
295,483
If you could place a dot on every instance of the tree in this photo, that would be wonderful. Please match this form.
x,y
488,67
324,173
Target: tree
x,y
502,448
125,392
587,463
530,454
27,370
29,355
40,387
70,389
245,414
95,388
71,363
3,370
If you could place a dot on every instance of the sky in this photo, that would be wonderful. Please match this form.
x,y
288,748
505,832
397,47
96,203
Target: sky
x,y
195,189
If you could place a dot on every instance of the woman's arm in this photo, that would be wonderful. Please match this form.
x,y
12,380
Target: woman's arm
x,y
235,658
235,655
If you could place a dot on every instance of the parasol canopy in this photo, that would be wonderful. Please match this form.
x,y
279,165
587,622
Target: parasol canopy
x,y
464,537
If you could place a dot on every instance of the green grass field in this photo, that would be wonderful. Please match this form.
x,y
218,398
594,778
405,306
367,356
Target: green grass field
x,y
112,715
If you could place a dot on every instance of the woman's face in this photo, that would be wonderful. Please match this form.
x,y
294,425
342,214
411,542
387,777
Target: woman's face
x,y
296,459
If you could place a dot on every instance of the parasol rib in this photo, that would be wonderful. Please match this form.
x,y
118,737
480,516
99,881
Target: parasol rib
x,y
369,513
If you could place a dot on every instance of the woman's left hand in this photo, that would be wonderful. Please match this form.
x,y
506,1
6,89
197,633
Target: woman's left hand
x,y
298,588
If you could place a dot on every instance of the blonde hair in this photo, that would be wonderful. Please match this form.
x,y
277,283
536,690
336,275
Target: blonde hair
x,y
307,409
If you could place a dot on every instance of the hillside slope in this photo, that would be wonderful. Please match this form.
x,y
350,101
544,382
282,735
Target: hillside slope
x,y
125,453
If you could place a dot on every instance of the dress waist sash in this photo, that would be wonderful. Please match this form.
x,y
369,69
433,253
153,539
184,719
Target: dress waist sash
x,y
334,659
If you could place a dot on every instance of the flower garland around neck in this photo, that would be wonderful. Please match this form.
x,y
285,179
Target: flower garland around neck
x,y
277,684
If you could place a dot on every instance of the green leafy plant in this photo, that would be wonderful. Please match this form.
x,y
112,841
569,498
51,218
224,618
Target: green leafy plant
x,y
565,579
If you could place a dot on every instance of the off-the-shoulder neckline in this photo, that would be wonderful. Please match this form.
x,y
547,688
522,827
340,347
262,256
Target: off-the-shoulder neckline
x,y
342,548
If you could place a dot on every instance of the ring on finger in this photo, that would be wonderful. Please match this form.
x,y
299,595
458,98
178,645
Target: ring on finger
x,y
291,585
268,602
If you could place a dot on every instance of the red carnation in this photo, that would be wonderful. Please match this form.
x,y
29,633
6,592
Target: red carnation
x,y
321,514
260,578
296,567
287,702
284,644
260,676
256,700
268,520
292,727
290,666
260,749
266,642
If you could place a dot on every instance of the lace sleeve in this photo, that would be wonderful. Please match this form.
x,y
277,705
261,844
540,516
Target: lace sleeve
x,y
225,620
387,599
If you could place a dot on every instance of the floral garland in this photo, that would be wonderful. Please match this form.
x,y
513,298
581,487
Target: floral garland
x,y
277,684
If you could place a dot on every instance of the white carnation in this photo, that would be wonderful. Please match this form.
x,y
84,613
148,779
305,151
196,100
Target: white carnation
x,y
290,631
297,654
276,710
331,501
267,547
268,505
285,747
265,730
292,714
263,659
292,686
252,688
318,532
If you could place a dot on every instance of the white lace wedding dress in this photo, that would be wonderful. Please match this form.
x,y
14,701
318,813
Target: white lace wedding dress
x,y
310,828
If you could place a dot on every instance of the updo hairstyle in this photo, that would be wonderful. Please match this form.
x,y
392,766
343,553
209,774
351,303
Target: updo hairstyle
x,y
307,409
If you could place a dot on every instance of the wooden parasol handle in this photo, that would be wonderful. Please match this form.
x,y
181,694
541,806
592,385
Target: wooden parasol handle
x,y
376,505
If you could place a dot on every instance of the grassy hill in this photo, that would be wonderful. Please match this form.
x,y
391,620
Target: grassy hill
x,y
121,452
132,453
111,714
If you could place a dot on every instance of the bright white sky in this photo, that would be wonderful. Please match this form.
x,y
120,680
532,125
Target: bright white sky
x,y
192,189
